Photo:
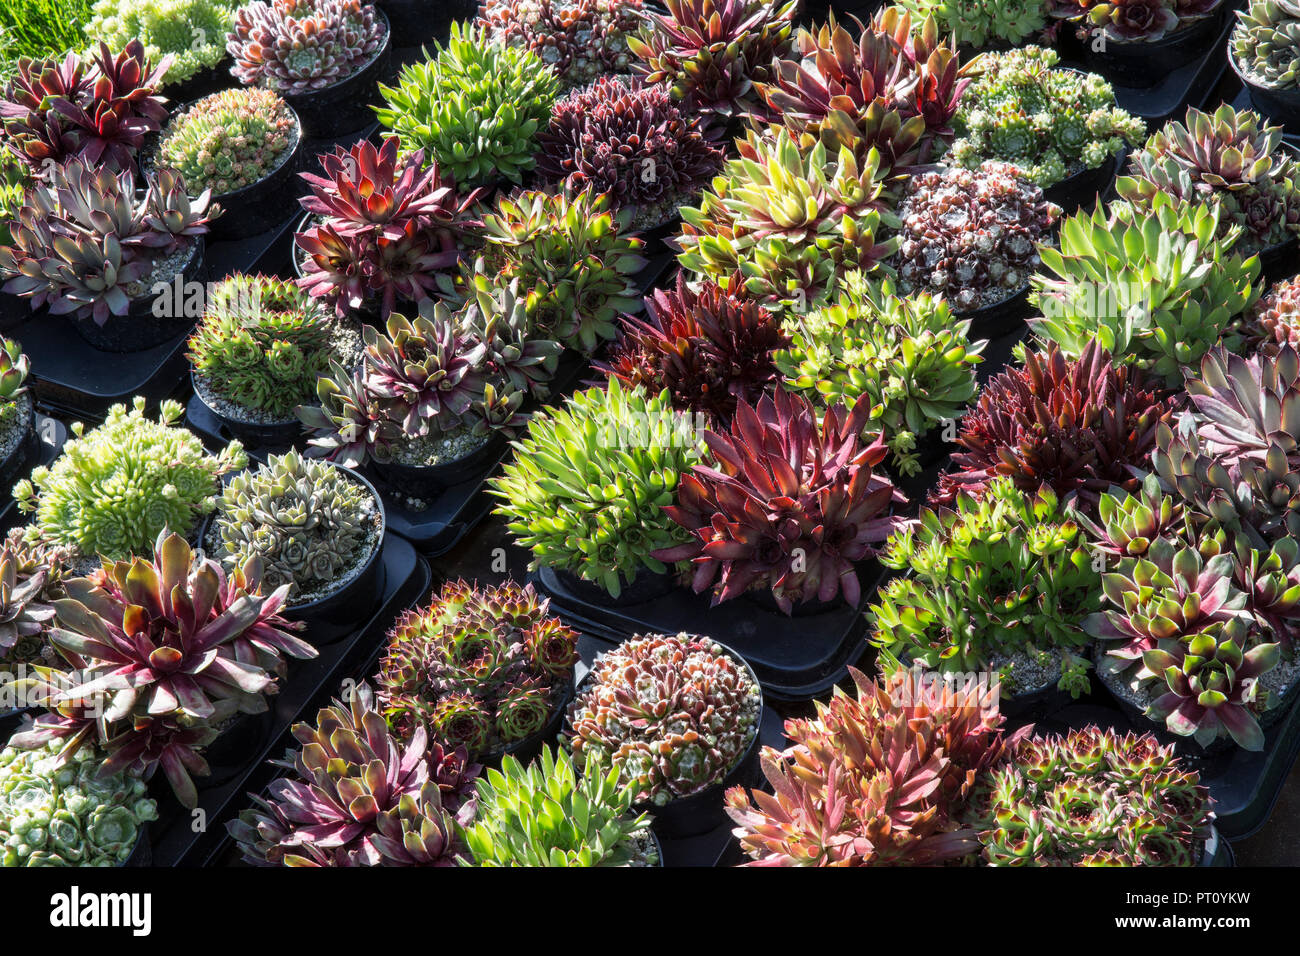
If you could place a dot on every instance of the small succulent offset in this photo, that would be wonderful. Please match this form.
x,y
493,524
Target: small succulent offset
x,y
1264,42
978,23
1131,20
709,346
307,521
875,779
262,343
1157,287
192,32
631,141
87,242
1274,320
894,88
31,579
358,796
57,813
96,108
1228,159
161,651
990,579
1091,798
908,357
1052,123
713,53
972,235
1077,426
581,40
588,484
229,140
479,668
572,257
116,487
672,715
385,227
297,46
475,107
784,503
547,814
789,219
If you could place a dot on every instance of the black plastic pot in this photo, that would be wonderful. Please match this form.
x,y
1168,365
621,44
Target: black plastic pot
x,y
646,586
1086,187
656,237
140,329
209,80
428,481
280,436
1281,106
344,107
142,852
1143,64
702,811
1000,318
1217,851
764,598
416,22
1279,261
14,310
1035,705
1183,746
49,435
28,447
240,742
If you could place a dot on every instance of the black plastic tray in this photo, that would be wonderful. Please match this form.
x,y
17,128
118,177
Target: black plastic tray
x,y
311,684
52,434
795,658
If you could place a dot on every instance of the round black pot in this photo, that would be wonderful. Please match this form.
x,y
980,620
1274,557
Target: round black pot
x,y
656,237
142,852
429,481
25,451
1278,261
262,205
140,329
646,586
526,750
702,811
14,310
1143,64
1183,746
1281,106
253,434
764,598
235,748
1086,187
211,79
344,107
1035,705
998,319
417,22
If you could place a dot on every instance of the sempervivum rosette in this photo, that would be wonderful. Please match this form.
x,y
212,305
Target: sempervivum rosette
x,y
579,39
632,141
296,46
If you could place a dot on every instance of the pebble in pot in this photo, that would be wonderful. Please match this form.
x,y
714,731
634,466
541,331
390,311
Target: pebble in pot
x,y
485,668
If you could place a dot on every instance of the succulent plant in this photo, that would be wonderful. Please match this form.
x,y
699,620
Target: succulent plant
x,y
31,579
1052,123
308,522
672,715
97,109
358,796
709,347
161,649
295,47
14,367
15,180
908,357
587,486
480,668
1274,320
57,813
86,243
193,32
1078,426
713,52
784,503
581,40
1131,20
547,814
572,258
989,580
262,343
789,220
475,108
874,779
116,487
978,23
229,140
972,236
1228,159
1092,798
1264,41
386,227
895,88
1156,287
631,141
